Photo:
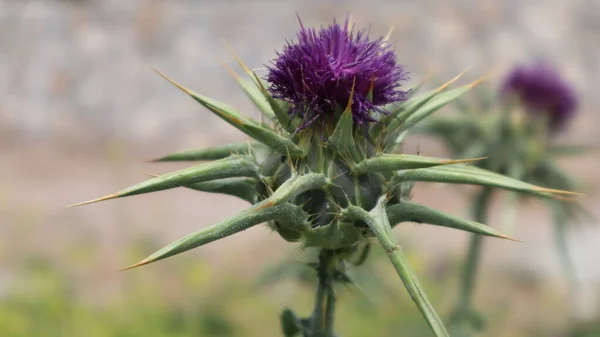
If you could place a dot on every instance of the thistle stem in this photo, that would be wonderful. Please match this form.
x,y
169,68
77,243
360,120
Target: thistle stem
x,y
465,320
323,313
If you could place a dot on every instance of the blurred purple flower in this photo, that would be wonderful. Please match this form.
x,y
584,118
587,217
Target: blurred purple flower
x,y
315,75
541,89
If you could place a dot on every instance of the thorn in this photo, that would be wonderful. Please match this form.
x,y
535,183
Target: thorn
x,y
152,174
265,205
564,198
550,190
238,59
458,161
371,87
250,149
181,87
349,106
108,197
228,116
139,264
388,35
290,162
502,236
483,78
229,69
259,83
447,84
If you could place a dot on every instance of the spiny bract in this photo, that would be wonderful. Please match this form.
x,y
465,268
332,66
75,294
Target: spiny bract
x,y
331,184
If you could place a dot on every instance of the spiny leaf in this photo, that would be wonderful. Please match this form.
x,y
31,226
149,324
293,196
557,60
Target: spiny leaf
x,y
227,113
408,211
253,92
250,127
278,143
244,188
342,139
399,113
474,176
416,103
432,106
237,223
224,168
210,153
393,162
439,101
295,185
379,224
278,112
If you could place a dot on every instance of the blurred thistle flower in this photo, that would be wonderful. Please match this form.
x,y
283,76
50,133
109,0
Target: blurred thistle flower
x,y
542,90
317,74
517,143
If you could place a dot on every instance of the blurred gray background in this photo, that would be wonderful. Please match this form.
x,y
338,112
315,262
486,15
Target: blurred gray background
x,y
80,111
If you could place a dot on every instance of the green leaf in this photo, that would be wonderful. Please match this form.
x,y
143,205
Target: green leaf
x,y
432,106
474,176
224,111
244,188
378,222
276,110
280,113
412,212
224,168
211,153
393,162
253,92
295,185
250,127
342,139
243,220
417,103
276,142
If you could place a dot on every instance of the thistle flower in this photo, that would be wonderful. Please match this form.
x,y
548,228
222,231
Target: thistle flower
x,y
333,193
323,70
542,90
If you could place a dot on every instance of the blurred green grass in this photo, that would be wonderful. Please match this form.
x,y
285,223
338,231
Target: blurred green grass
x,y
175,298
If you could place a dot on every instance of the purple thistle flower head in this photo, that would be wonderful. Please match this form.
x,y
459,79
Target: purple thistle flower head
x,y
316,74
541,89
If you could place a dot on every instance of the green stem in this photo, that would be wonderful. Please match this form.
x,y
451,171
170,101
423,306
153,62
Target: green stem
x,y
465,321
324,309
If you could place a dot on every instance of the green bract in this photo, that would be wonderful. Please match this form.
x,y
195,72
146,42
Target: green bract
x,y
331,189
